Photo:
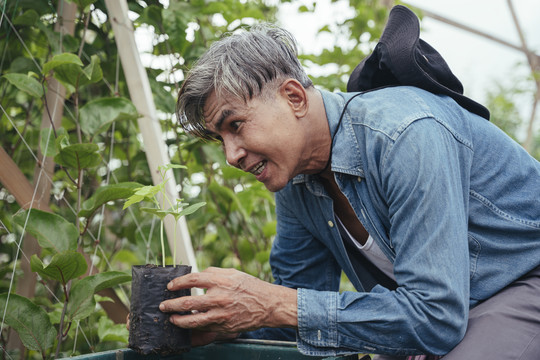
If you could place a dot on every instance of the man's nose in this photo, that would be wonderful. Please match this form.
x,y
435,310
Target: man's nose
x,y
235,153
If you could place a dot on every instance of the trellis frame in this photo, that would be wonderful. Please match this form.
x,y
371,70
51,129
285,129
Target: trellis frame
x,y
156,149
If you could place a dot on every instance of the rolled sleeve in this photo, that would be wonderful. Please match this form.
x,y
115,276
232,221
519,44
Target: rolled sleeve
x,y
317,316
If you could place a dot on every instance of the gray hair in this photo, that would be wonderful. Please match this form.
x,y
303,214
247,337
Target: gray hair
x,y
240,65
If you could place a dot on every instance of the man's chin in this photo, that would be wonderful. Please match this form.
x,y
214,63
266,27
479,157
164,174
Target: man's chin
x,y
274,187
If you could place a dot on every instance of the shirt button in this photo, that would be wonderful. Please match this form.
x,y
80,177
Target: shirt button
x,y
359,179
330,223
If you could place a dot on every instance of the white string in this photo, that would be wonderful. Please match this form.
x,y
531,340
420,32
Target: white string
x,y
20,135
3,10
43,284
75,338
106,182
5,352
18,251
7,36
22,42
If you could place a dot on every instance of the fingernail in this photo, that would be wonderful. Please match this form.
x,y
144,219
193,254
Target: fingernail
x,y
169,285
161,307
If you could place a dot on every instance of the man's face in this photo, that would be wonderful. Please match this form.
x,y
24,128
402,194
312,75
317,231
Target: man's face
x,y
262,137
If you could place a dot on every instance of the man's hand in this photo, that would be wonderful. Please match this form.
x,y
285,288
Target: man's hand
x,y
234,302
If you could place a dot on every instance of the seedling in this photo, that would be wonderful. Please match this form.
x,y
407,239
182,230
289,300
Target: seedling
x,y
177,208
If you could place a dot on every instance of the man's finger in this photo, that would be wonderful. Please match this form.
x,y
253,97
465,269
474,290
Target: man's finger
x,y
193,280
203,280
192,321
199,303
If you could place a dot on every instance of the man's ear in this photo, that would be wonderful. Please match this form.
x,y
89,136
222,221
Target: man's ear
x,y
296,96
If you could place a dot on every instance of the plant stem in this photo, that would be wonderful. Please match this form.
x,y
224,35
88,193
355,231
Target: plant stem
x,y
174,247
61,326
162,243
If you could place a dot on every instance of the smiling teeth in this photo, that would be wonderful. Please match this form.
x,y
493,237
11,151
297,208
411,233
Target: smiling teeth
x,y
258,169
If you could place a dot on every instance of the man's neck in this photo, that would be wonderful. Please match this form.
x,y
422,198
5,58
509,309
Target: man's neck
x,y
319,140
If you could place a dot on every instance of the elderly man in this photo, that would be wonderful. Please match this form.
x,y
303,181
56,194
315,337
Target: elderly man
x,y
431,211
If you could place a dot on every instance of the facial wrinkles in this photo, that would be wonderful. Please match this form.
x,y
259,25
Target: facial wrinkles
x,y
211,113
217,114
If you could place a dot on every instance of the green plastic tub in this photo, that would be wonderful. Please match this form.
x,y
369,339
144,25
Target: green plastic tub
x,y
237,350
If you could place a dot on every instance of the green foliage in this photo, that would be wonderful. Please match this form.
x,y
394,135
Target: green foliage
x,y
51,231
25,83
107,193
78,156
97,115
62,267
61,59
82,303
29,320
108,331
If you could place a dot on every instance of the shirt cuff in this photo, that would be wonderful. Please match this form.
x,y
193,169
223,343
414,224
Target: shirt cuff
x,y
317,322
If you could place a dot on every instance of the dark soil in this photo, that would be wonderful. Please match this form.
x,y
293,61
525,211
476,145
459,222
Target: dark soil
x,y
150,329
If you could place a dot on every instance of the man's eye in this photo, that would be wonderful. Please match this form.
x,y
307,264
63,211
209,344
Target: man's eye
x,y
234,125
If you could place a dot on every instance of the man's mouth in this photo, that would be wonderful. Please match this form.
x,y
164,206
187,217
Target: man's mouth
x,y
259,168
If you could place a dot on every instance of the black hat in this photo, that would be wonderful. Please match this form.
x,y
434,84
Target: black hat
x,y
402,58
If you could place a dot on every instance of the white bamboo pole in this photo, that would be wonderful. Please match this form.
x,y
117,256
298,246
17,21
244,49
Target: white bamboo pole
x,y
141,95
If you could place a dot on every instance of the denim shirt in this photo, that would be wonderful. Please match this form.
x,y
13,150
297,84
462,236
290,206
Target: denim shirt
x,y
451,200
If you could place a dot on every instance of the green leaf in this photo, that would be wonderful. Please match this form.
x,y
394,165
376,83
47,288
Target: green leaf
x,y
51,231
61,142
133,199
144,193
189,210
100,298
108,331
269,229
25,83
149,190
28,18
126,257
227,195
58,42
47,140
107,193
82,303
157,212
30,321
63,266
97,115
79,156
69,76
263,257
22,64
92,72
151,15
230,172
61,59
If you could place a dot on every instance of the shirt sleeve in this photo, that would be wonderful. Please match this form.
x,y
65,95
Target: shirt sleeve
x,y
423,177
